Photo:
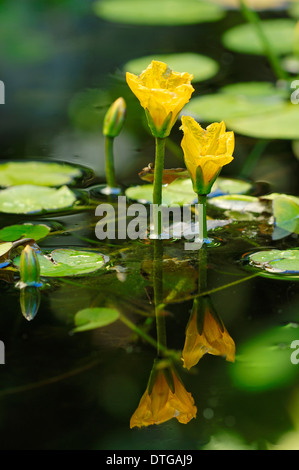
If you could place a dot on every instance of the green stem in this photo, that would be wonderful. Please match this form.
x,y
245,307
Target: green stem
x,y
253,18
253,158
158,182
202,216
158,296
110,171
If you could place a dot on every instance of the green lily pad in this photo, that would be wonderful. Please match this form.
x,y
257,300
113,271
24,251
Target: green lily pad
x,y
5,248
181,191
281,123
92,318
200,66
37,173
244,39
286,213
282,262
15,232
29,199
238,202
237,101
158,12
68,262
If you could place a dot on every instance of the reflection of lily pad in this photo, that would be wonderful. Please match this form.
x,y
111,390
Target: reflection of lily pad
x,y
282,262
37,173
244,39
158,12
15,232
200,66
67,262
28,199
92,318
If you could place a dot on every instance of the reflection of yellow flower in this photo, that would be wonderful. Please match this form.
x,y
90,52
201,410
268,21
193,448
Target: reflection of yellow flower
x,y
164,398
206,333
206,152
162,93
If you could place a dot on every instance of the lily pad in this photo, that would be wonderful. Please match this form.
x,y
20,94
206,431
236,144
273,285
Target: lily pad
x,y
29,199
200,66
68,262
237,101
4,250
158,12
15,232
37,173
92,318
239,203
286,213
244,39
272,262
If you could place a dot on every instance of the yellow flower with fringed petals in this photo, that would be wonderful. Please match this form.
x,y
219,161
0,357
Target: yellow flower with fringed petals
x,y
165,398
206,334
162,93
206,152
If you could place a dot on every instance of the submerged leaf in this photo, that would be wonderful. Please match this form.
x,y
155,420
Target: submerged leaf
x,y
92,318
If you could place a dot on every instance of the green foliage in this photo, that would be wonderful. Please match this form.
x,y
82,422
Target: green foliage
x,y
92,318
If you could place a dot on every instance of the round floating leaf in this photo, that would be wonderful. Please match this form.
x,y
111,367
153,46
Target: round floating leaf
x,y
200,66
179,192
15,232
254,4
28,199
236,101
282,123
37,173
286,213
238,203
263,362
92,318
230,186
244,39
5,248
158,12
272,262
67,262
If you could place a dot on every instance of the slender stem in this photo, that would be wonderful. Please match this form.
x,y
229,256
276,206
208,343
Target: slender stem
x,y
110,171
253,18
158,182
253,158
158,296
202,216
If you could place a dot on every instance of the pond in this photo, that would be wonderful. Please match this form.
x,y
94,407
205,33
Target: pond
x,y
115,342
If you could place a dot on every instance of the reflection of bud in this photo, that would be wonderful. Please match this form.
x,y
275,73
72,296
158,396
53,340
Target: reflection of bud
x,y
29,268
165,398
114,118
206,333
29,301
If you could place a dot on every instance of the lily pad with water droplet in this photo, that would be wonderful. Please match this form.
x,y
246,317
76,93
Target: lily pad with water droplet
x,y
201,67
38,173
245,40
92,318
29,199
68,262
15,232
158,12
277,262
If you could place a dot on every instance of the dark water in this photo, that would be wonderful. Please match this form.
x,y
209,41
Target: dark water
x,y
78,391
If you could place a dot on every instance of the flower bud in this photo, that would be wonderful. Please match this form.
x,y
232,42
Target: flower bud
x,y
29,268
114,118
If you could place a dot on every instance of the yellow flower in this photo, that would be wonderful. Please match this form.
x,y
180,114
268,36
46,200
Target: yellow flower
x,y
206,152
162,93
165,398
206,333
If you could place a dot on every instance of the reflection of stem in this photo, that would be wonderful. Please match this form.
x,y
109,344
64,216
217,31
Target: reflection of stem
x,y
158,181
110,171
253,158
158,295
202,217
253,18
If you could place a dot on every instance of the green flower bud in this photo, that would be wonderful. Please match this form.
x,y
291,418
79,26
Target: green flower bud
x,y
29,268
114,118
